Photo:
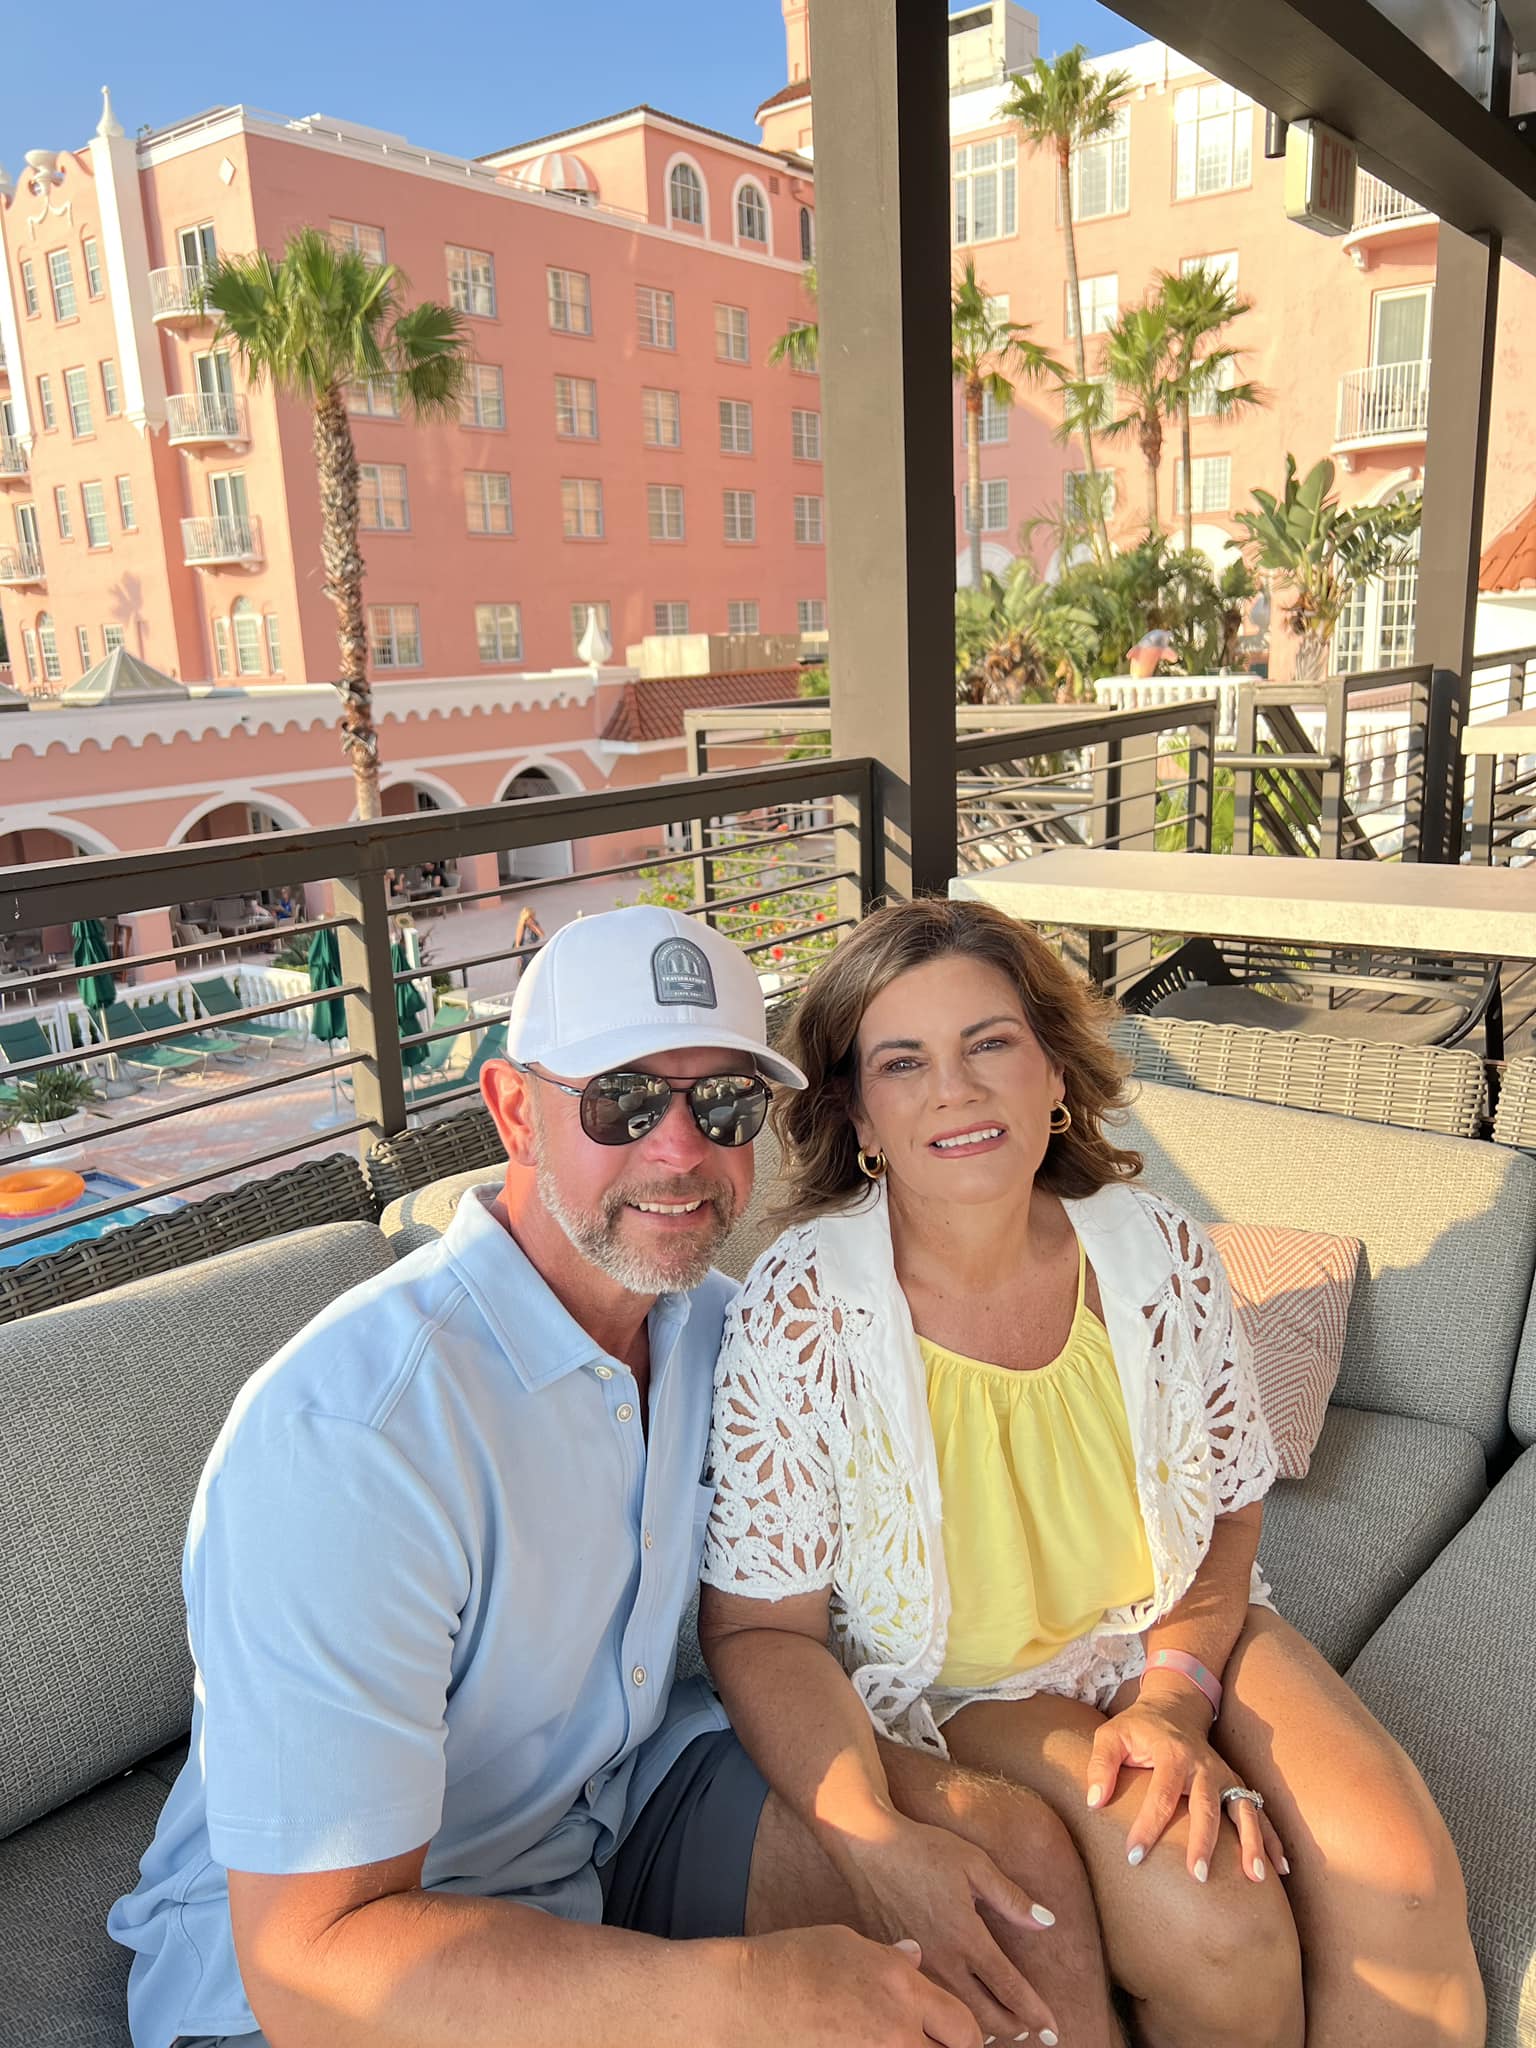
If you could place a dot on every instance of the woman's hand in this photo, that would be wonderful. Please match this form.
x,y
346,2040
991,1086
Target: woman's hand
x,y
924,1884
1166,1732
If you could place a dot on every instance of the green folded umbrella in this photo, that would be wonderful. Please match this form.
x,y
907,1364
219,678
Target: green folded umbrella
x,y
91,950
409,1004
330,1017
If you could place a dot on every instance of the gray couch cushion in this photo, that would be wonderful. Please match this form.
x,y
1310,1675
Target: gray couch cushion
x,y
63,1980
110,1410
1448,1226
1522,1396
1344,1544
1449,1673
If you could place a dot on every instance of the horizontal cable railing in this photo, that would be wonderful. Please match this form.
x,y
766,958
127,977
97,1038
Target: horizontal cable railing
x,y
1501,685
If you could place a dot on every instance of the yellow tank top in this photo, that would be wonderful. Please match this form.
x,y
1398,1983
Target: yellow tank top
x,y
1042,1525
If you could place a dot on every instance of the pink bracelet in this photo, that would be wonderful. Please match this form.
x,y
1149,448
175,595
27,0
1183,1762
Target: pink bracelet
x,y
1192,1669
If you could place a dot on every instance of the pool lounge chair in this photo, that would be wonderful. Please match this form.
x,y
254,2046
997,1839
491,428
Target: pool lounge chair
x,y
160,1016
122,1024
218,1000
493,1046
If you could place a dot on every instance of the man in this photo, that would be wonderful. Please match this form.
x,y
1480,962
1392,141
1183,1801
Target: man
x,y
442,1792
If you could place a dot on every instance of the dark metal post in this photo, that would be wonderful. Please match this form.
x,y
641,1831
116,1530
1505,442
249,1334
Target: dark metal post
x,y
880,71
373,1027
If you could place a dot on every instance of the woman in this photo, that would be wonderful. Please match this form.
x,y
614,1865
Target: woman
x,y
984,1423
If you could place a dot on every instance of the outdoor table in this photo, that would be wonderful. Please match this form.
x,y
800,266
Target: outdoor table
x,y
1485,744
1393,906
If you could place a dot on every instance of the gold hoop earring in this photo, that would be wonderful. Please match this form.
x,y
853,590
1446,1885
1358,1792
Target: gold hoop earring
x,y
871,1164
1061,1110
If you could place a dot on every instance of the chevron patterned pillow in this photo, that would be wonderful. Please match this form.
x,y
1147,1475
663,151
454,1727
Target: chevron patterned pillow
x,y
1291,1289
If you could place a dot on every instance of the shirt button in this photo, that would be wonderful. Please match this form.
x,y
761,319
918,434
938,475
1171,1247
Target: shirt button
x,y
638,1674
648,1539
624,1412
604,1372
591,1790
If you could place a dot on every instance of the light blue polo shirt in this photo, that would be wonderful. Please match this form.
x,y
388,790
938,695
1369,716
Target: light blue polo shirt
x,y
433,1577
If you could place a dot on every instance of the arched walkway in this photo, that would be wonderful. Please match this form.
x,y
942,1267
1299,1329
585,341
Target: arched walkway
x,y
537,863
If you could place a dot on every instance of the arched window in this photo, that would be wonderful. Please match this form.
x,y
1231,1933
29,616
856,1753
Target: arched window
x,y
247,638
807,236
751,214
685,195
48,645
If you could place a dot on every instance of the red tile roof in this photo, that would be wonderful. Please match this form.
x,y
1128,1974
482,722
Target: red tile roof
x,y
653,707
797,89
1509,562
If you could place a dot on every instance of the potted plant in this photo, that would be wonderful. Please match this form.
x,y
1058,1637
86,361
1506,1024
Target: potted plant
x,y
51,1105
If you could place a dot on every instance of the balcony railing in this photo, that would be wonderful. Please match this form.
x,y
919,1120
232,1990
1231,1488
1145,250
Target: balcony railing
x,y
211,543
195,416
1387,403
176,293
20,565
1378,204
13,456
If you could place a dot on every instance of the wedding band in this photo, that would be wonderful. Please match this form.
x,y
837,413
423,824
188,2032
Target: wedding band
x,y
1253,1799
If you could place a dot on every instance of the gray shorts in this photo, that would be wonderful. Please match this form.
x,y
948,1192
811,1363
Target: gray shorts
x,y
683,1868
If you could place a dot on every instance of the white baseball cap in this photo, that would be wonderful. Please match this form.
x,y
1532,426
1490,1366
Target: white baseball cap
x,y
632,983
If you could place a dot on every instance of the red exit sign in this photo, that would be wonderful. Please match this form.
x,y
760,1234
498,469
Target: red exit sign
x,y
1320,169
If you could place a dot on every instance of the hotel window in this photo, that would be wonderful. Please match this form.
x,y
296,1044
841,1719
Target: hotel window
x,y
383,498
570,301
579,619
274,644
685,195
1078,492
731,342
112,637
751,215
125,503
670,617
77,395
740,515
805,436
93,500
741,615
994,506
221,646
394,635
664,511
735,426
374,397
360,240
994,423
488,501
247,628
111,396
576,408
1101,171
656,314
499,631
472,282
1223,266
1210,484
1213,139
45,401
807,235
83,646
1204,397
91,251
29,287
812,614
661,417
809,524
483,402
801,368
29,642
1100,297
48,642
62,513
986,190
581,508
61,278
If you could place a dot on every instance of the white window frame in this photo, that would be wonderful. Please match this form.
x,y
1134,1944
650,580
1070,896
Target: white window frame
x,y
739,208
735,415
575,403
46,411
579,614
1223,262
665,513
656,316
1107,156
743,615
665,616
506,623
1100,296
62,513
587,505
29,298
804,434
488,500
374,398
111,390
361,239
95,521
810,520
995,422
1210,485
1074,488
274,633
1200,114
676,219
564,304
127,512
386,639
48,648
739,517
83,647
999,168
484,400
656,416
245,632
112,637
471,281
61,284
733,334
1202,397
77,398
994,505
90,256
376,497
222,663
29,644
811,614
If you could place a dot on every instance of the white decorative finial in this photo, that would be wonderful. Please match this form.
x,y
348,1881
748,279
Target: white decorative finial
x,y
108,125
596,649
7,187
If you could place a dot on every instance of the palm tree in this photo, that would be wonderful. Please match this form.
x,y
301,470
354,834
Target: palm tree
x,y
800,343
1198,304
1017,640
1138,368
1059,106
313,322
985,348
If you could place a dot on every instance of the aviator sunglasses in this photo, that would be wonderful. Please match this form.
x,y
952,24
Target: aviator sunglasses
x,y
621,1108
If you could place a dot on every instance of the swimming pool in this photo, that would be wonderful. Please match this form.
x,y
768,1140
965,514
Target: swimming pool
x,y
77,1222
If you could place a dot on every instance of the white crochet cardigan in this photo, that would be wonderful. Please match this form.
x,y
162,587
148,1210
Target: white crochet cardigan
x,y
823,1461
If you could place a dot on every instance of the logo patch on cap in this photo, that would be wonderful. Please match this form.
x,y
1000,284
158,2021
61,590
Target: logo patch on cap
x,y
681,974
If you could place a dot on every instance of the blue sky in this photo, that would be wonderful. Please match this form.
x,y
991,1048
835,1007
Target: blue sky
x,y
502,71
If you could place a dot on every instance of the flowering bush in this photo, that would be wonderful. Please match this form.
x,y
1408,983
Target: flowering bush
x,y
780,921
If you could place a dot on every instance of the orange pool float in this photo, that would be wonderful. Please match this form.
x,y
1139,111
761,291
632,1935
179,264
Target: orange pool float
x,y
36,1193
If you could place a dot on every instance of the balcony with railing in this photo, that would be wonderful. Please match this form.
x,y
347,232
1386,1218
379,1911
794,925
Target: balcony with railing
x,y
203,417
227,541
1383,406
20,567
1382,211
14,460
176,293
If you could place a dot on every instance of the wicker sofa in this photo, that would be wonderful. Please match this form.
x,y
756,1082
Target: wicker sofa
x,y
1408,1554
